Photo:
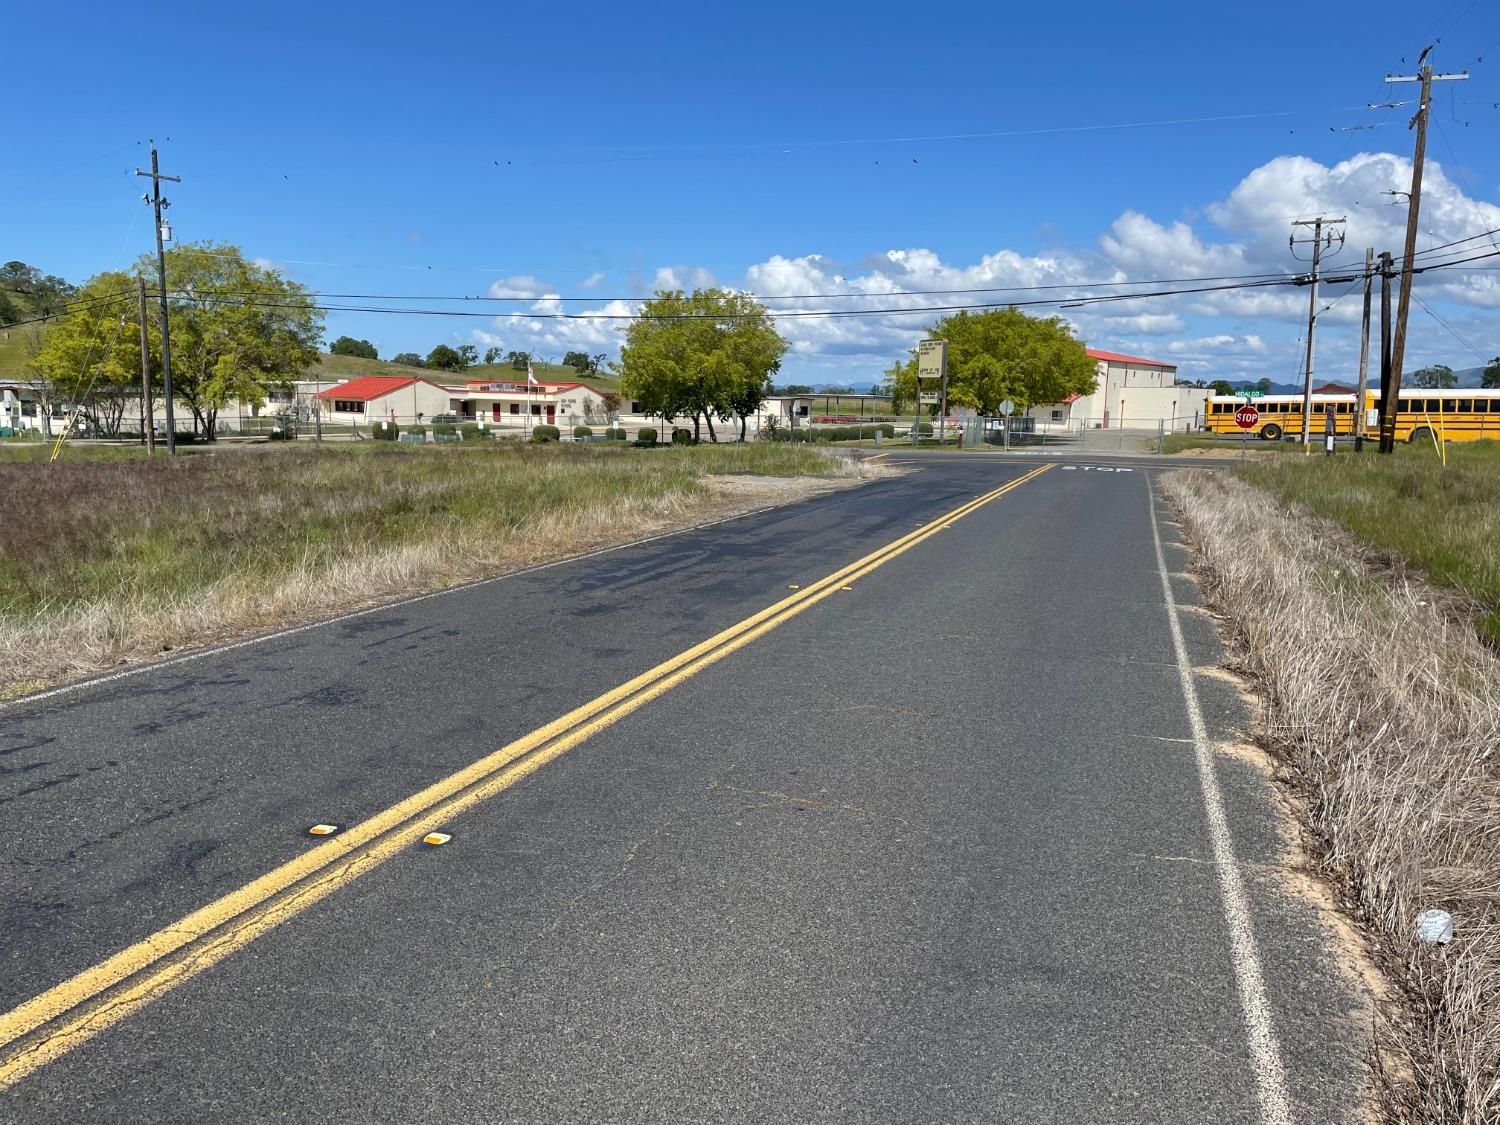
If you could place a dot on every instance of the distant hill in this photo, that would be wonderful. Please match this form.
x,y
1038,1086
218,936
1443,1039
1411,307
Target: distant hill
x,y
332,367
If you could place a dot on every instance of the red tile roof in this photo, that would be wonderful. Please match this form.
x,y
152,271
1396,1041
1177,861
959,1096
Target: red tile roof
x,y
367,387
1116,357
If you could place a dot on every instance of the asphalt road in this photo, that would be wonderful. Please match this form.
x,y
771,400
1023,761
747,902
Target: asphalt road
x,y
935,848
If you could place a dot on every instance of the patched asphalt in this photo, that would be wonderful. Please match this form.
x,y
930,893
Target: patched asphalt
x,y
933,850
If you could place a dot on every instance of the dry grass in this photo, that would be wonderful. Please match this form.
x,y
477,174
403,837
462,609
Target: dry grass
x,y
114,558
1386,708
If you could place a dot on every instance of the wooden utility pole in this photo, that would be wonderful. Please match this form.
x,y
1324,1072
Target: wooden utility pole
x,y
1388,399
148,415
1318,240
158,203
1364,355
1413,215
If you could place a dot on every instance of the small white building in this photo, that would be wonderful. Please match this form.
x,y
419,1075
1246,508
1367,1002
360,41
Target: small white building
x,y
1130,393
522,404
403,399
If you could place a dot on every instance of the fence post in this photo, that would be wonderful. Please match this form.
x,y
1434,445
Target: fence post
x,y
1161,429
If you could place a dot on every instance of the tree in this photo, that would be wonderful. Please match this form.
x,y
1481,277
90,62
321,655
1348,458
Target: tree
x,y
579,361
796,389
469,354
518,360
1491,373
91,357
1438,377
1004,354
1263,385
408,359
444,358
238,328
493,355
1222,387
706,355
596,361
348,345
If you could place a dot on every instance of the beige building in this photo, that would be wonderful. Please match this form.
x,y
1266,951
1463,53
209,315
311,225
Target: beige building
x,y
522,404
403,399
1130,393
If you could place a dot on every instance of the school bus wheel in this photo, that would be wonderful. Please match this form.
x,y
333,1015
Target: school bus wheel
x,y
1421,433
1270,432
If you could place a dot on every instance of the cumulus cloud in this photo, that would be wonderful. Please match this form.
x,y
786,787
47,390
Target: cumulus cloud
x,y
1231,332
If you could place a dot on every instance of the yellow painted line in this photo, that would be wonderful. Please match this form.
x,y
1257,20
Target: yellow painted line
x,y
47,1026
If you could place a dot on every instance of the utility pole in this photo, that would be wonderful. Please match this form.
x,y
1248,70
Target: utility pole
x,y
1413,214
158,203
1388,396
1364,355
1319,240
148,416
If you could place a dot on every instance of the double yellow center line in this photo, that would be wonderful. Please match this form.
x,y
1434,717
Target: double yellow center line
x,y
66,1015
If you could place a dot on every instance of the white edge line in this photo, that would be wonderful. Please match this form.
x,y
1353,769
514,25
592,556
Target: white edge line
x,y
1265,1051
379,607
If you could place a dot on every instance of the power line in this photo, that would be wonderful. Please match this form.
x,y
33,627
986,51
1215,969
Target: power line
x,y
1454,332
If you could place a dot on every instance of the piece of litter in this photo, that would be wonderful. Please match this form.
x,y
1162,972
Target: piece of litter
x,y
846,589
793,586
1435,927
436,839
322,829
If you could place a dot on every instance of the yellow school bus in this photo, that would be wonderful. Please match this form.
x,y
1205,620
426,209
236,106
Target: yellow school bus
x,y
1454,415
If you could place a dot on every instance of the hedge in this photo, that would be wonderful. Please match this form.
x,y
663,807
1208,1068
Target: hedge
x,y
545,433
682,437
616,434
646,435
470,431
582,432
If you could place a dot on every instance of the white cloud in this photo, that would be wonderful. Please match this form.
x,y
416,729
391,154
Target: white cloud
x,y
518,287
592,280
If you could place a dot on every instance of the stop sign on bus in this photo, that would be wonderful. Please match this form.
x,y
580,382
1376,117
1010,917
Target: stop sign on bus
x,y
1246,417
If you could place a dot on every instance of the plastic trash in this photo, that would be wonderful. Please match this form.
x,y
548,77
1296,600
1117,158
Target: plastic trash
x,y
1435,927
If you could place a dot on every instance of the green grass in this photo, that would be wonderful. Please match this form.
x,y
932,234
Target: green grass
x,y
108,524
1176,443
1443,521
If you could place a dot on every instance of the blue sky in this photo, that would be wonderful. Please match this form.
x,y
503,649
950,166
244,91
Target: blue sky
x,y
600,150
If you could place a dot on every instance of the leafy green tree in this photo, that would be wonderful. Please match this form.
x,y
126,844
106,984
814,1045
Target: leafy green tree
x,y
10,312
91,357
1222,387
444,358
348,345
1004,354
493,355
1438,377
469,354
706,355
596,361
238,328
1491,377
1263,385
579,361
518,360
408,359
796,389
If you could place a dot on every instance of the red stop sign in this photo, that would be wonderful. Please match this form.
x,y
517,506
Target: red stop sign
x,y
1246,417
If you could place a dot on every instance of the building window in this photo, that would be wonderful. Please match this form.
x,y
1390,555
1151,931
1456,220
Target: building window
x,y
536,409
1057,415
348,406
515,408
635,407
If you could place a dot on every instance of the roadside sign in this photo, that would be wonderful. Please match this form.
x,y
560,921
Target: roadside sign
x,y
1246,417
1252,392
929,398
1007,408
932,359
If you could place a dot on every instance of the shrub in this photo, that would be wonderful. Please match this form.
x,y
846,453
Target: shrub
x,y
185,437
384,431
682,437
470,431
446,428
545,433
646,435
924,429
582,432
418,429
887,429
280,433
617,434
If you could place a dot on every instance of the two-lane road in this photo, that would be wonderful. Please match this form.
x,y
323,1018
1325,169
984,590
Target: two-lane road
x,y
903,804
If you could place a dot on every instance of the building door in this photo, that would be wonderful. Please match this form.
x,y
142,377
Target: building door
x,y
551,414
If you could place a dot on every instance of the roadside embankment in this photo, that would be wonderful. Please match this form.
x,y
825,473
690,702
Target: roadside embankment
x,y
1383,704
109,559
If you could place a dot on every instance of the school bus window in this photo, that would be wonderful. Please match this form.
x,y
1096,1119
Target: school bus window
x,y
1448,405
1466,406
1431,406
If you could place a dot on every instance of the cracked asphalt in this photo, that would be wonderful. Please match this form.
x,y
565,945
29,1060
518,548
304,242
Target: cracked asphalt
x,y
934,850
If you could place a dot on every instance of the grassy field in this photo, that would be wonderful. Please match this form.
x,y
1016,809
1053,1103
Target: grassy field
x,y
1176,443
1444,521
119,556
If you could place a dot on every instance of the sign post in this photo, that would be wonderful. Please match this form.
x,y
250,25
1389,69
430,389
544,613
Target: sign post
x,y
1246,418
932,366
1007,408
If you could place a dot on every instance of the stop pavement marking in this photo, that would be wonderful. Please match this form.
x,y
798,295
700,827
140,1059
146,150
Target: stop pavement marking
x,y
1098,468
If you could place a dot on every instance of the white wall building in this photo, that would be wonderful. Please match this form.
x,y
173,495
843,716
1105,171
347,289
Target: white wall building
x,y
1130,393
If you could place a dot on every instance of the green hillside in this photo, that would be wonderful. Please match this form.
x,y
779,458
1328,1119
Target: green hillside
x,y
14,348
346,367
